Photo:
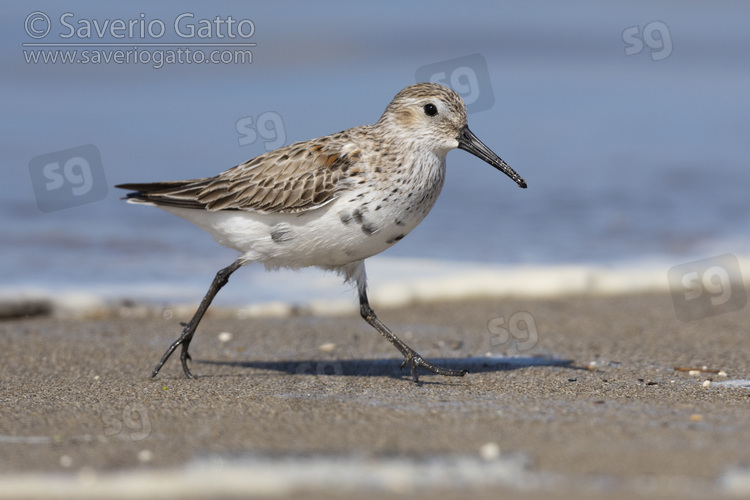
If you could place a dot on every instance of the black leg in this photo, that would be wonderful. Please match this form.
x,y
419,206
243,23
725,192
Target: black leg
x,y
411,357
187,333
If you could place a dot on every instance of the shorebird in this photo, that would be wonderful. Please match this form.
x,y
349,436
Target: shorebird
x,y
330,202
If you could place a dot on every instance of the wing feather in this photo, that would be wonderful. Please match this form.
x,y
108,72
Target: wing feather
x,y
295,178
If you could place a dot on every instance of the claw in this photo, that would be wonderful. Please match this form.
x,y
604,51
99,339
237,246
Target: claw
x,y
184,357
414,360
185,369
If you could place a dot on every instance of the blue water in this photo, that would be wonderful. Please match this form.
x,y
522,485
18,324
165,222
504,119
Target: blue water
x,y
628,158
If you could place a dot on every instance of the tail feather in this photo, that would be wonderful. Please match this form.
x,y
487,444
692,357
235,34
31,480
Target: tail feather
x,y
149,187
169,193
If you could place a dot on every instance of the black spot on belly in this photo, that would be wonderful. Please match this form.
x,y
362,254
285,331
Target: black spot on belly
x,y
400,223
345,218
357,214
368,228
395,239
281,233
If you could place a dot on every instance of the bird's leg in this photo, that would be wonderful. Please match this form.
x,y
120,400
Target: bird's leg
x,y
187,333
411,357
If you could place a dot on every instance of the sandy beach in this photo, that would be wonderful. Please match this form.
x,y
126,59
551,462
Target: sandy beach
x,y
599,400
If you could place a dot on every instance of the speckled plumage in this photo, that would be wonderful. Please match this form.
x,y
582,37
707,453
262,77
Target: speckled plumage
x,y
330,202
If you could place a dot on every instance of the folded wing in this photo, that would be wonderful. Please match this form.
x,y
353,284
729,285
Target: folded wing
x,y
296,178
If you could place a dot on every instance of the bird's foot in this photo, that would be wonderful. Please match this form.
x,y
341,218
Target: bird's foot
x,y
414,360
184,341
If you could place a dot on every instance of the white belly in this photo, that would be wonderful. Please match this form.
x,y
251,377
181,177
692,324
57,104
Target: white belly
x,y
358,224
331,236
349,229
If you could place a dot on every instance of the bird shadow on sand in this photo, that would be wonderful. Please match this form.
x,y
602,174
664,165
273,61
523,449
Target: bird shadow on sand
x,y
391,367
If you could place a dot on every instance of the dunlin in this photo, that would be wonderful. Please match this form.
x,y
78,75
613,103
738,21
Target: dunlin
x,y
330,202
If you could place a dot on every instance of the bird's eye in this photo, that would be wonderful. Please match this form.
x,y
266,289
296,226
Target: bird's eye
x,y
430,109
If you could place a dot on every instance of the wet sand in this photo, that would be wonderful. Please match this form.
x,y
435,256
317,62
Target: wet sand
x,y
594,408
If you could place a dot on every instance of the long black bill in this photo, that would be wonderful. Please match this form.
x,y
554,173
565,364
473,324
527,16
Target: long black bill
x,y
471,143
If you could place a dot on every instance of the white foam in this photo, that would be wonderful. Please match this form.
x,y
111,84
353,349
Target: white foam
x,y
735,481
393,282
332,307
737,383
265,310
400,281
280,476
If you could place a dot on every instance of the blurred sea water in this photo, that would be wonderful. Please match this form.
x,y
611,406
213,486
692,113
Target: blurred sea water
x,y
629,123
